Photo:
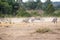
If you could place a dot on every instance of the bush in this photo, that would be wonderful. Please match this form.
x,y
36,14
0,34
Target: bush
x,y
57,14
22,13
1,15
43,30
52,14
35,14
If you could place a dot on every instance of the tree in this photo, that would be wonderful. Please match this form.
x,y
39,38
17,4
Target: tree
x,y
39,4
4,6
22,13
15,7
31,4
8,6
49,8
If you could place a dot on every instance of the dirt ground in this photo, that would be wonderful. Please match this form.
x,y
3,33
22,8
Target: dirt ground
x,y
25,31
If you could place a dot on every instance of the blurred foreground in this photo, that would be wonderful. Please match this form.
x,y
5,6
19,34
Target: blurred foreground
x,y
27,31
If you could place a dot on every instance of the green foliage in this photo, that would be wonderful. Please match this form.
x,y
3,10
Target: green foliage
x,y
49,8
57,14
30,5
5,15
39,4
33,5
35,14
10,8
22,13
5,8
1,15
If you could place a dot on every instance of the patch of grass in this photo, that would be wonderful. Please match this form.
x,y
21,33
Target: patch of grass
x,y
43,30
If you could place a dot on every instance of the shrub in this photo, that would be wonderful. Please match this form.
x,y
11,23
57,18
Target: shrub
x,y
52,14
43,30
35,14
23,13
1,15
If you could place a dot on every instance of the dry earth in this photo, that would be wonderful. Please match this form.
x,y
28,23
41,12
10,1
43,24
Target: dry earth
x,y
26,31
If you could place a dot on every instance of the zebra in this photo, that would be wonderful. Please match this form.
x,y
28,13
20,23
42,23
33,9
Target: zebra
x,y
54,20
26,20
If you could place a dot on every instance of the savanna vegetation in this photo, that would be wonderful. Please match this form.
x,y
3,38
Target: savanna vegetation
x,y
11,8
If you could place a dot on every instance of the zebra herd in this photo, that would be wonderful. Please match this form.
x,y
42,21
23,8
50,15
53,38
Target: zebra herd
x,y
27,20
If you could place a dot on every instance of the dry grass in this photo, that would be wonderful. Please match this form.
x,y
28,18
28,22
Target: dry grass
x,y
43,30
21,31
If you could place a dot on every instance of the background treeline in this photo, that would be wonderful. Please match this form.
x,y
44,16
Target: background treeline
x,y
11,8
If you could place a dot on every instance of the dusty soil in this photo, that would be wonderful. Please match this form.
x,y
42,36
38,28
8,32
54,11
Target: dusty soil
x,y
26,31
